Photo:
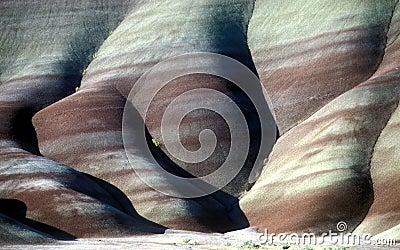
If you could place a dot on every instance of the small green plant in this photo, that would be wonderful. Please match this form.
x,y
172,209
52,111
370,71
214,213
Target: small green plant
x,y
250,245
84,72
186,240
76,89
94,56
110,33
155,142
299,122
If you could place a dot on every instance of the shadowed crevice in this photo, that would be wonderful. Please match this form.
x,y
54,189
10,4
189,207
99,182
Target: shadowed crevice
x,y
384,41
223,213
123,203
371,202
22,130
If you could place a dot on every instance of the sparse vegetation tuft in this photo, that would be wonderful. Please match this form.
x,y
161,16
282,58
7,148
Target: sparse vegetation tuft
x,y
250,245
155,142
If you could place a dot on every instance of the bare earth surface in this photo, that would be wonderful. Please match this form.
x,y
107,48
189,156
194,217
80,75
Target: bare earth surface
x,y
173,239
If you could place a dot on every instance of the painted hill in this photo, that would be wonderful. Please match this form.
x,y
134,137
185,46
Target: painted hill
x,y
331,70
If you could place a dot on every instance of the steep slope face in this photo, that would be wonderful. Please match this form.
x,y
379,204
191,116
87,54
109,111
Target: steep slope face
x,y
384,212
17,233
100,152
203,26
62,202
84,130
320,172
307,53
44,48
